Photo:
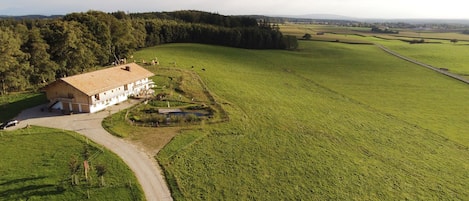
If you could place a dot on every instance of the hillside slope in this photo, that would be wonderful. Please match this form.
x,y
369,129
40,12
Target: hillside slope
x,y
331,121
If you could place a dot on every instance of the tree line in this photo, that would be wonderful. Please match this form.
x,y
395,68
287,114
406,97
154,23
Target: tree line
x,y
35,52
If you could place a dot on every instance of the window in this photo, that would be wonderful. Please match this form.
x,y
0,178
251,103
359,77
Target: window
x,y
126,87
96,96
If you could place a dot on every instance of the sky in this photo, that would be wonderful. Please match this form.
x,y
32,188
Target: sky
x,y
383,9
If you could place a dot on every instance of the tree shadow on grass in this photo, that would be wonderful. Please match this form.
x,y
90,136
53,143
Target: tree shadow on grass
x,y
31,190
10,110
21,180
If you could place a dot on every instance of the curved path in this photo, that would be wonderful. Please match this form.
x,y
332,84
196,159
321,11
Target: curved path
x,y
144,166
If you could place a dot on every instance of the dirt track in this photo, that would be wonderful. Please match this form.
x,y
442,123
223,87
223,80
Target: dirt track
x,y
143,165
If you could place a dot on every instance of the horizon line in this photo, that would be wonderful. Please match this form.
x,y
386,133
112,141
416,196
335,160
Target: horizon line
x,y
322,16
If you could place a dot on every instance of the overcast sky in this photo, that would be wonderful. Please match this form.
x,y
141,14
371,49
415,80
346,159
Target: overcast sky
x,y
389,9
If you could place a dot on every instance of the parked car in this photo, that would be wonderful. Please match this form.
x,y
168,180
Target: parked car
x,y
9,124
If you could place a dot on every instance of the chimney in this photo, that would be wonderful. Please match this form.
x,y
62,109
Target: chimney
x,y
127,68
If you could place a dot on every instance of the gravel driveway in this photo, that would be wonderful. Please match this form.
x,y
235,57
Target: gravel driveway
x,y
143,165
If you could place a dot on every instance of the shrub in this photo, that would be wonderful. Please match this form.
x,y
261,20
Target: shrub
x,y
135,118
176,118
191,118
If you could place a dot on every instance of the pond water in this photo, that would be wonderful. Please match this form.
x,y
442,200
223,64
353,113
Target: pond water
x,y
188,113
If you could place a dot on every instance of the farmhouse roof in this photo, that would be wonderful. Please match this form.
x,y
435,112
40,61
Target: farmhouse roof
x,y
102,80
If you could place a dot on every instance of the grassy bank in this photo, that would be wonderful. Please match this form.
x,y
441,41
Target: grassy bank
x,y
35,166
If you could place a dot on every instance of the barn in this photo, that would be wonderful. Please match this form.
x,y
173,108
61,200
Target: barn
x,y
94,91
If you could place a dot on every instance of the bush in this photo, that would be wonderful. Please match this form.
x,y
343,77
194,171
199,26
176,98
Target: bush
x,y
135,118
417,41
176,119
191,118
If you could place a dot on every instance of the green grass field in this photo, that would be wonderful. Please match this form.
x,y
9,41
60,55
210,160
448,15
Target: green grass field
x,y
35,167
438,50
444,55
329,121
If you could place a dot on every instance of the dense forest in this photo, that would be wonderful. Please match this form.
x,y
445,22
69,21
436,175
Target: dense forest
x,y
35,52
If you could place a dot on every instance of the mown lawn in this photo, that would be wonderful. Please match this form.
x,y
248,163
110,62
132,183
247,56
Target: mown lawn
x,y
330,121
35,166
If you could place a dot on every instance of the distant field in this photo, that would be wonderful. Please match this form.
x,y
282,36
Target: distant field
x,y
35,166
438,50
328,33
444,55
330,121
435,35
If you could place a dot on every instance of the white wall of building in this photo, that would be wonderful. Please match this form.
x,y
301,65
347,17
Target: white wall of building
x,y
117,95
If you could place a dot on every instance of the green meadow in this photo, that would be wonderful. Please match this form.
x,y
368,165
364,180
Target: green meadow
x,y
441,53
438,50
35,166
329,121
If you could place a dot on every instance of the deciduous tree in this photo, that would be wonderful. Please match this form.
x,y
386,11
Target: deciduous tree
x,y
14,69
307,36
43,68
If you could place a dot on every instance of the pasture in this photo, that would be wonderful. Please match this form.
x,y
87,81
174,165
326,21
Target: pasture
x,y
438,50
36,166
442,54
329,121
